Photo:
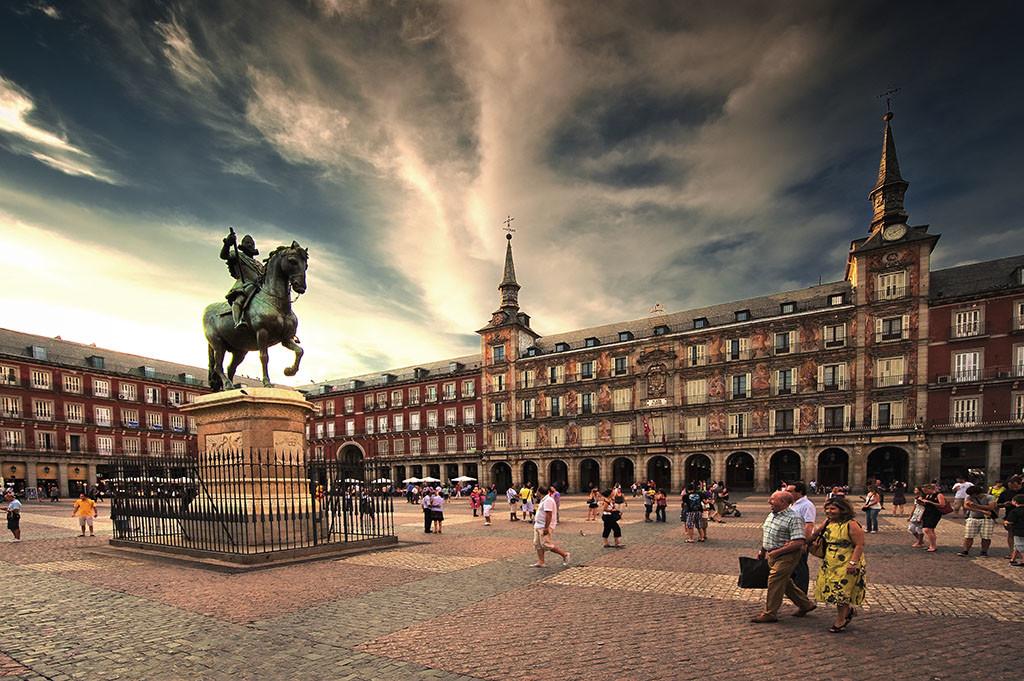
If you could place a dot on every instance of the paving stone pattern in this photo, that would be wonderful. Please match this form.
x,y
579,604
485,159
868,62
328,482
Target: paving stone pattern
x,y
466,604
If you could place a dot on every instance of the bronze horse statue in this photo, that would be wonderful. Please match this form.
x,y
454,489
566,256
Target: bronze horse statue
x,y
269,318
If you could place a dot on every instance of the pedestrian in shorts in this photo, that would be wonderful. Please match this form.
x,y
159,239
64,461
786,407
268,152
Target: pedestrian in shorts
x,y
85,510
1014,524
489,498
512,494
544,528
13,508
980,507
915,527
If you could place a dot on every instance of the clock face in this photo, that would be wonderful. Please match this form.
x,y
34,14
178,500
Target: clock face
x,y
893,232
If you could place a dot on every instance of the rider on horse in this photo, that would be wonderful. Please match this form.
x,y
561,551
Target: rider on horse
x,y
247,271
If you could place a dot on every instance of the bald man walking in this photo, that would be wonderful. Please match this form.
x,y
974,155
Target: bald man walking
x,y
782,542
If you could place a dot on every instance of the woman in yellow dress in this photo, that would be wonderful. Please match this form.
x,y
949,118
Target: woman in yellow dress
x,y
841,575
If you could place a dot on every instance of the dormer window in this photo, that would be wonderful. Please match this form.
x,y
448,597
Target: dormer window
x,y
787,308
148,372
1019,276
38,352
700,323
743,315
531,351
660,330
625,336
836,299
561,347
591,342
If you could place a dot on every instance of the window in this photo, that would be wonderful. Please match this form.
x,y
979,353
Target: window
x,y
737,425
621,366
177,423
72,384
660,330
743,315
586,403
155,446
696,355
382,424
399,446
350,405
42,409
329,408
784,342
10,406
835,418
104,444
497,412
468,388
9,375
1018,407
469,415
382,448
1018,361
191,421
469,442
382,400
330,429
622,399
836,299
561,347
740,386
103,416
100,387
414,421
414,396
128,391
588,436
398,421
1018,315
556,374
431,393
697,391
319,431
500,440
891,328
832,377
432,418
369,425
887,415
368,402
432,443
834,336
528,408
38,352
130,418
498,383
13,438
967,323
700,323
587,370
178,447
965,411
350,427
787,308
449,391
450,416
414,445
175,397
131,445
318,409
891,286
736,349
782,420
451,443
498,352
591,342
555,406
967,366
46,441
155,420
625,336
152,395
42,380
889,372
696,428
784,382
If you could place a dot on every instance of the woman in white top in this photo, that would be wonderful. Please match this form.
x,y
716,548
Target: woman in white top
x,y
872,506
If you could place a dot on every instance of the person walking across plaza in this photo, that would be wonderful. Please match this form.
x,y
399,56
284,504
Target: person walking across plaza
x,y
782,540
490,498
960,488
933,501
1014,524
513,502
981,513
648,504
85,510
693,510
1005,502
13,508
661,506
872,507
841,575
428,517
899,499
526,499
804,508
914,525
544,529
437,510
610,516
592,503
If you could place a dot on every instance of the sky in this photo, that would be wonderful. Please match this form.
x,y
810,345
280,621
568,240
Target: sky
x,y
685,154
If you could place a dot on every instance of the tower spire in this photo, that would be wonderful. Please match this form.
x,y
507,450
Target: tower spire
x,y
887,196
509,287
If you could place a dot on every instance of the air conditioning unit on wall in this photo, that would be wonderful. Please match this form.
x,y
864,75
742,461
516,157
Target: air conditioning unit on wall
x,y
942,379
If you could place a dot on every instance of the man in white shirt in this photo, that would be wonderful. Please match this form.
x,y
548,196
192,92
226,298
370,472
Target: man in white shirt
x,y
13,508
804,508
960,488
544,529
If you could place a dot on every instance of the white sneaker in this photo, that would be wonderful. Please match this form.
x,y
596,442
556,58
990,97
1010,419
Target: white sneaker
x,y
568,557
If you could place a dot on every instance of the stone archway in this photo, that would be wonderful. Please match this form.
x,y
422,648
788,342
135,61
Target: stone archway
x,y
530,474
784,467
833,468
698,469
622,472
590,475
558,475
739,471
888,464
659,469
351,453
501,476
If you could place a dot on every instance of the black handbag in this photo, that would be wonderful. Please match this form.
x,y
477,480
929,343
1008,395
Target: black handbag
x,y
753,573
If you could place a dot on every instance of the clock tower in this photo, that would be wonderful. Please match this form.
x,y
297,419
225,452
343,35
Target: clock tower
x,y
887,196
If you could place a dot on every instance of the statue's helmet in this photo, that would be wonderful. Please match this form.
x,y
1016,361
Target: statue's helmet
x,y
248,245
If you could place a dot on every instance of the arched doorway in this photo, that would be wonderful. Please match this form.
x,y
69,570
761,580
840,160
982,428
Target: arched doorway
x,y
622,472
698,469
590,475
888,464
739,471
659,469
833,468
784,467
530,473
558,475
350,455
501,475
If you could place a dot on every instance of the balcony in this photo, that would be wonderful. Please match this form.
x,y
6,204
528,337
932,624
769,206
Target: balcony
x,y
834,426
892,423
833,385
891,381
969,329
739,395
737,355
786,429
891,336
1018,323
835,343
788,349
890,293
785,390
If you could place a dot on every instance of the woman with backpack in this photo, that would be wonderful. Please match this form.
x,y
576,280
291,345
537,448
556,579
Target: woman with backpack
x,y
935,506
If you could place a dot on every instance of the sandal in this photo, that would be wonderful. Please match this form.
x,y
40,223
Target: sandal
x,y
689,541
838,630
930,550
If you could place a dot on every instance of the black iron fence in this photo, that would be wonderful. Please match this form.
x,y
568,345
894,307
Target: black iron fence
x,y
245,502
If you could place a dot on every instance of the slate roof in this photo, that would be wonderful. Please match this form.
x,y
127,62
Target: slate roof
x,y
435,370
17,344
980,278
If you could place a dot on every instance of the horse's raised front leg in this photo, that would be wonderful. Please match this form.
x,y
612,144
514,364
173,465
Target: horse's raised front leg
x,y
294,346
236,358
263,343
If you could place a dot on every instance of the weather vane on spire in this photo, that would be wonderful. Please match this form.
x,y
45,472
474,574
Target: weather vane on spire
x,y
508,227
889,95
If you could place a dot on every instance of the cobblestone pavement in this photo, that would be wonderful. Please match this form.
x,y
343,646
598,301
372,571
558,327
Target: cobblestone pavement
x,y
465,604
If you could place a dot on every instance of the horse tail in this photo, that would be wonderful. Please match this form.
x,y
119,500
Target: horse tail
x,y
212,376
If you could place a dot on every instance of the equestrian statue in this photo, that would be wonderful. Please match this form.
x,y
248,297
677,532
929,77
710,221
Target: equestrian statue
x,y
258,309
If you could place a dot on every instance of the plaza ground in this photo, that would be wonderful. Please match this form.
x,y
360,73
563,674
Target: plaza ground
x,y
466,604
